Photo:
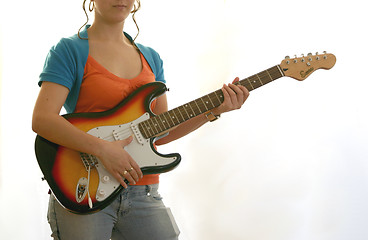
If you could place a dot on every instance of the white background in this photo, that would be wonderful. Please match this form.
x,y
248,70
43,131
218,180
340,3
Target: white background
x,y
291,164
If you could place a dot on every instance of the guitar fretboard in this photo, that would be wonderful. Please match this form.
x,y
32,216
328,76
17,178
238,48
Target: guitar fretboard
x,y
161,123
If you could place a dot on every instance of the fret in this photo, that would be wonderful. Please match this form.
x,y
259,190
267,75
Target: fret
x,y
143,128
171,118
255,82
269,75
265,76
209,100
220,99
177,109
196,104
204,104
250,83
157,124
164,121
174,117
186,112
259,79
150,128
190,114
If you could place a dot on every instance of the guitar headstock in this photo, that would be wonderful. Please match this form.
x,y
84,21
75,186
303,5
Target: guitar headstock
x,y
300,68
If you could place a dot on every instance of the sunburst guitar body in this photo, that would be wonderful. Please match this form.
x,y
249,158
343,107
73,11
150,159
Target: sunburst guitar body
x,y
78,180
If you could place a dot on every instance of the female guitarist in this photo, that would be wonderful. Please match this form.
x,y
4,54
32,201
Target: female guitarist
x,y
93,71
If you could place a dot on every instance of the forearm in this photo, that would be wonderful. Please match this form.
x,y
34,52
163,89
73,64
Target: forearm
x,y
58,130
234,98
183,129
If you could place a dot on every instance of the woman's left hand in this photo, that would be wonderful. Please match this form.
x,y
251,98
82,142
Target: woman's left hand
x,y
234,97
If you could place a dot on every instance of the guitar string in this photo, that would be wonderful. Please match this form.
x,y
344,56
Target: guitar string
x,y
199,105
202,105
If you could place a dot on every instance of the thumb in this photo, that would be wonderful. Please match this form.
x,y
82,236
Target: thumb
x,y
126,141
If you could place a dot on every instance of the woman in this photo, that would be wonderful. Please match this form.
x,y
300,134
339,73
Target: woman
x,y
102,58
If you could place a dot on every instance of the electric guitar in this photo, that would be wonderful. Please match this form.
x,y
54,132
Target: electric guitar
x,y
80,182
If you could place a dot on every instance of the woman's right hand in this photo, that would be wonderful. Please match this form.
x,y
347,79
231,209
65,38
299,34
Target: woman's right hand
x,y
119,163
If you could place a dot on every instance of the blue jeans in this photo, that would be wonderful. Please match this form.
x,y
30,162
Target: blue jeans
x,y
138,213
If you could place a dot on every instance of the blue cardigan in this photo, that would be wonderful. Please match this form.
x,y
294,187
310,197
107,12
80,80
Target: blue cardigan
x,y
66,60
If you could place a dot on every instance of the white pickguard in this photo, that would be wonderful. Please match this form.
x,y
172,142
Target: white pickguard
x,y
139,149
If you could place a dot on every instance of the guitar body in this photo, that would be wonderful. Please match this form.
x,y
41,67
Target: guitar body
x,y
66,170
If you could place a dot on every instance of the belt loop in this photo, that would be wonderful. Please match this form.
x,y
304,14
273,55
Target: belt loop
x,y
148,190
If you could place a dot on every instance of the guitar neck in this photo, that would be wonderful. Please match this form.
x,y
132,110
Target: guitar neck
x,y
160,124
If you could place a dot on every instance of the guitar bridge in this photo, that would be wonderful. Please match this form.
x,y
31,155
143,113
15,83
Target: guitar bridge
x,y
89,161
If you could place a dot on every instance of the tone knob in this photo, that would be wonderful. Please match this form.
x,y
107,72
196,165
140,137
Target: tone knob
x,y
105,179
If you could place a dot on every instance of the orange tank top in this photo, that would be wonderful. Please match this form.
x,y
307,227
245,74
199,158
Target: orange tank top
x,y
101,90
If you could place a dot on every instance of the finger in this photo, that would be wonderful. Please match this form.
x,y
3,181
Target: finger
x,y
246,93
120,180
242,93
133,174
128,177
225,91
239,94
137,169
231,90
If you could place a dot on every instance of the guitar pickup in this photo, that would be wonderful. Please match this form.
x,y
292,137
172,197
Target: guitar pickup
x,y
137,133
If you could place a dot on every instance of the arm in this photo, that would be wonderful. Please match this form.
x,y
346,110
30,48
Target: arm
x,y
49,124
234,98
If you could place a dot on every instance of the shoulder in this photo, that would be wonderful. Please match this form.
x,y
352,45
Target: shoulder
x,y
148,50
72,46
151,56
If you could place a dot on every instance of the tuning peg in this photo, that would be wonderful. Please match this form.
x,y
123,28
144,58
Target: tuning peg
x,y
324,52
309,54
287,59
316,53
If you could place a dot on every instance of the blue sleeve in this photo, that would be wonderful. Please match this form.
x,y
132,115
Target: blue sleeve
x,y
159,68
64,65
59,66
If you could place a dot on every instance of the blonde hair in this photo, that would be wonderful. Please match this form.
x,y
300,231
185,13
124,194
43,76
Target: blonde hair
x,y
134,11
